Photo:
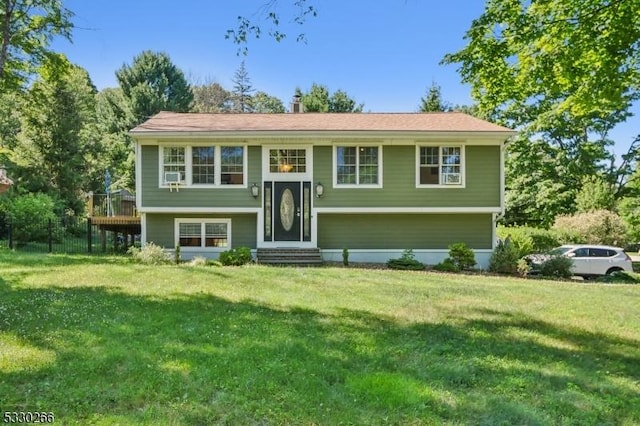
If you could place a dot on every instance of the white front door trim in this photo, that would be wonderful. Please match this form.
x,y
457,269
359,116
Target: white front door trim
x,y
268,176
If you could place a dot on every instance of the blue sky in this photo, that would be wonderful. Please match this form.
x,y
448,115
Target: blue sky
x,y
384,54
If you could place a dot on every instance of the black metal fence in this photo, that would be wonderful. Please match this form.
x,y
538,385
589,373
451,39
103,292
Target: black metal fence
x,y
66,235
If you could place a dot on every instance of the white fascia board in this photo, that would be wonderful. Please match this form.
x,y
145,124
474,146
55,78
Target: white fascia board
x,y
324,136
203,210
378,210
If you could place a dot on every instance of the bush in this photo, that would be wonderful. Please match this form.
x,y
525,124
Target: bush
x,y
557,266
406,262
31,214
236,256
523,267
528,239
198,261
596,227
345,256
446,265
504,259
544,239
621,277
150,254
462,256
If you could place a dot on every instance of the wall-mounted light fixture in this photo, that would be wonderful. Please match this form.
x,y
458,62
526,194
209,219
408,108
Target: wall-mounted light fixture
x,y
319,190
255,190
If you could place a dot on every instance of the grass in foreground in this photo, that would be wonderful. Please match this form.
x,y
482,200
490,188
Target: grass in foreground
x,y
103,341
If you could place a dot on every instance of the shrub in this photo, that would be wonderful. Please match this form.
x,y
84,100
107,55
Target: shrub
x,y
31,213
198,261
345,256
446,265
462,256
406,262
528,239
544,239
504,259
557,266
622,277
236,256
523,267
176,255
595,227
150,254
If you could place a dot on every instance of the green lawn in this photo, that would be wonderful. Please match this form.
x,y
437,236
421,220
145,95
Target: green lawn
x,y
98,340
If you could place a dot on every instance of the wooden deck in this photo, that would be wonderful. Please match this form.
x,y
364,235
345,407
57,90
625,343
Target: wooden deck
x,y
124,224
115,220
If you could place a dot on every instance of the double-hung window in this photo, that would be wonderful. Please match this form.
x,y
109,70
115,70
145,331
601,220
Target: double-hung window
x,y
203,165
203,233
232,165
440,166
358,166
173,164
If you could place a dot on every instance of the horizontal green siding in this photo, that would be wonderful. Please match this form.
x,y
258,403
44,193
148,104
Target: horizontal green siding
x,y
161,228
153,196
404,231
399,181
482,181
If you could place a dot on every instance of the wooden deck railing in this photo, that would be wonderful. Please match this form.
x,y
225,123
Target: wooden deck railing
x,y
112,205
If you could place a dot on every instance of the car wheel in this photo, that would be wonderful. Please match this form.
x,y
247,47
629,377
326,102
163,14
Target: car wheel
x,y
612,270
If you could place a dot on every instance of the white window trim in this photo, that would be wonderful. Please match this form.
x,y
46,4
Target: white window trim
x,y
202,222
188,179
463,166
337,185
268,175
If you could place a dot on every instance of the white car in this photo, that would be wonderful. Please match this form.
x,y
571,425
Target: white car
x,y
589,260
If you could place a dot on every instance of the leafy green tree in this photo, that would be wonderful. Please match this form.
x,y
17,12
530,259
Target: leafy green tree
x,y
242,89
629,205
432,101
114,119
318,99
9,119
595,194
629,210
27,27
262,102
58,127
564,73
341,102
210,97
538,187
470,110
152,83
537,64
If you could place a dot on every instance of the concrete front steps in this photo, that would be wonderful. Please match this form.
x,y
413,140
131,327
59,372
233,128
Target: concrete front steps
x,y
289,256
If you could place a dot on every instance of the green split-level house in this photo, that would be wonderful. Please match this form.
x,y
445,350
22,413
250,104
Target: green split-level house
x,y
375,184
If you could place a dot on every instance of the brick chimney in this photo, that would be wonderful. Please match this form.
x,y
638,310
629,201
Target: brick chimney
x,y
296,105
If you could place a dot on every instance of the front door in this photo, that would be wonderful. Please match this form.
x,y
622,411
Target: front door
x,y
286,211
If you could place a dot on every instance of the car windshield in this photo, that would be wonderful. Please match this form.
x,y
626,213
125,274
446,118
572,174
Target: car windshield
x,y
559,251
